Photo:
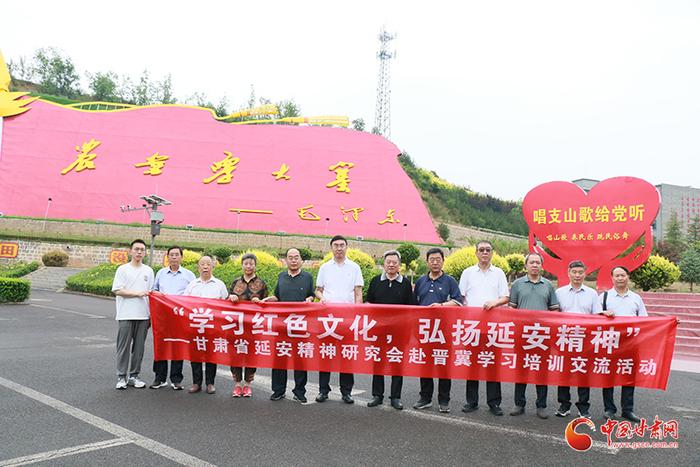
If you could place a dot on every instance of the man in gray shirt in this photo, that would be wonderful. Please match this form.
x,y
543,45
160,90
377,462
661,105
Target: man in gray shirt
x,y
532,292
576,297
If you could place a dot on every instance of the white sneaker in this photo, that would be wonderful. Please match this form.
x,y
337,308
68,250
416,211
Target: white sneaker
x,y
121,383
136,382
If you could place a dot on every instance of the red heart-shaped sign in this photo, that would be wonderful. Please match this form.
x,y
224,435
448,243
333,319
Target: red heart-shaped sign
x,y
593,227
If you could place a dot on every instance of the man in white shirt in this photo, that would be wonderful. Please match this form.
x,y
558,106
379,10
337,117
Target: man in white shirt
x,y
484,285
576,298
205,286
339,281
172,280
621,301
132,284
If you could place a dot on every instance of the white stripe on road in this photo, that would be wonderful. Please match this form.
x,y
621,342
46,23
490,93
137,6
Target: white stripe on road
x,y
450,420
71,451
88,315
117,430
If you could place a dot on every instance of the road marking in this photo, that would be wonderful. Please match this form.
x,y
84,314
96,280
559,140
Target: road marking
x,y
683,409
88,315
40,300
105,425
71,451
598,446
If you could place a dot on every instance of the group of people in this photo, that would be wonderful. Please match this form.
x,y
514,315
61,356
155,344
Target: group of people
x,y
340,280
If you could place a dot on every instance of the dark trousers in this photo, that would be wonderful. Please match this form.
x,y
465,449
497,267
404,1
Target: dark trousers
x,y
427,387
378,386
493,393
346,380
197,373
160,368
279,382
519,395
626,399
564,398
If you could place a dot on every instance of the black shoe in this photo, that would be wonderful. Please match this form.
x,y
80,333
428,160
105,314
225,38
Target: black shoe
x,y
496,410
609,415
563,411
443,408
277,396
396,403
158,384
631,417
423,404
376,400
300,399
347,398
517,411
584,414
468,408
322,397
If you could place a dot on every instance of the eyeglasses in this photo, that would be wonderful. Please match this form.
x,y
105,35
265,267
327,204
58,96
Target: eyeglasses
x,y
484,250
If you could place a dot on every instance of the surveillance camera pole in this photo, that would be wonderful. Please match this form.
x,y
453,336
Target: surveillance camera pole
x,y
156,217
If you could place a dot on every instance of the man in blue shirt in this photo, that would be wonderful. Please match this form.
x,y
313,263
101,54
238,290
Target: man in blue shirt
x,y
436,289
172,280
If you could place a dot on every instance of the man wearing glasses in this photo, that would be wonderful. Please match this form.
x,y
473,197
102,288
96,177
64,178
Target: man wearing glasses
x,y
484,285
132,283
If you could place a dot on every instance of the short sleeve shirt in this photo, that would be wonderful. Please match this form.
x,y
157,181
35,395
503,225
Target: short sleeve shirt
x,y
294,288
339,280
213,288
440,290
173,283
135,279
478,287
627,304
583,300
530,295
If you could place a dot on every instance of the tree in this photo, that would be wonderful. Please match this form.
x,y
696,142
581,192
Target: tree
x,y
288,108
21,69
443,231
358,124
103,86
693,231
164,91
143,94
690,266
656,273
409,253
220,109
672,245
56,73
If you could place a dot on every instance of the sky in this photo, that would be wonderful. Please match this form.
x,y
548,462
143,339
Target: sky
x,y
497,96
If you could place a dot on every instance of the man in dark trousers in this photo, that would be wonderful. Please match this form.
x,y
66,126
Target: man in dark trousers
x,y
293,285
389,288
436,289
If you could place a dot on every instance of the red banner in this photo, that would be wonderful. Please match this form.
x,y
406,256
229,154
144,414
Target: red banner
x,y
551,348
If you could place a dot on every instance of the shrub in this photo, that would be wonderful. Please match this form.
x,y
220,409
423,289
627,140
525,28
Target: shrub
x,y
656,273
222,253
267,268
465,257
13,290
306,253
409,253
443,231
516,263
97,280
55,258
19,269
190,257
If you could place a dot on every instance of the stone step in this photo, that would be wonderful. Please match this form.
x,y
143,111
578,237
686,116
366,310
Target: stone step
x,y
51,278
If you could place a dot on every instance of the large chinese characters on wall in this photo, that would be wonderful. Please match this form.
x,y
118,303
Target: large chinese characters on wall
x,y
607,227
273,178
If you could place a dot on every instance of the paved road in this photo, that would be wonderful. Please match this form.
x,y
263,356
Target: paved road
x,y
58,406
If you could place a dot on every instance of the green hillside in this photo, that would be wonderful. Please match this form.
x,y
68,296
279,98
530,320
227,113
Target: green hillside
x,y
459,205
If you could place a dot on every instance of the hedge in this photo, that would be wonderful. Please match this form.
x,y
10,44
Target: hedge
x,y
13,290
55,258
97,280
19,269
